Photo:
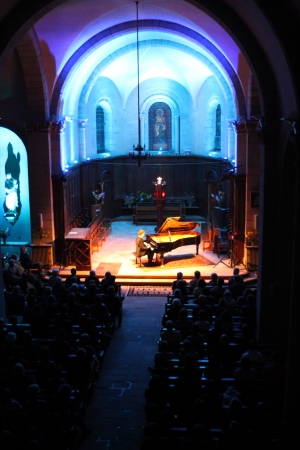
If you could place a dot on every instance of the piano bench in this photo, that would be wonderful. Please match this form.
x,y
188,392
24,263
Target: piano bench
x,y
138,258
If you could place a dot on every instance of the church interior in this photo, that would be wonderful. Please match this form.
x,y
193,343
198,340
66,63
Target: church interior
x,y
116,116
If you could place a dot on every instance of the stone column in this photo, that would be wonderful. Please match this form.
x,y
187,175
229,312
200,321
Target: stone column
x,y
292,397
252,170
242,145
177,133
269,246
142,128
39,173
231,142
81,138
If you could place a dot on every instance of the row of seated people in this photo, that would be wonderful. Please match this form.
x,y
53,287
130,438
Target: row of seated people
x,y
203,311
215,287
49,364
219,390
45,385
58,301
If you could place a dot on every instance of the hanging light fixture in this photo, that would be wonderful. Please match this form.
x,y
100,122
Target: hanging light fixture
x,y
138,148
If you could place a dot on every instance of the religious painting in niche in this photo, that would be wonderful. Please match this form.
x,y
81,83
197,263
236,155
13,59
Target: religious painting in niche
x,y
160,129
12,203
14,189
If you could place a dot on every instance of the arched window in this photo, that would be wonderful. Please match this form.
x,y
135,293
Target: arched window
x,y
100,135
160,127
218,129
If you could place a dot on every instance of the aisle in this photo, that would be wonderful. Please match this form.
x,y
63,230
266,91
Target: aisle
x,y
116,411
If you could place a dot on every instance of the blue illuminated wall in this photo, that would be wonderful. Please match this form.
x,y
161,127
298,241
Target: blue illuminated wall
x,y
14,190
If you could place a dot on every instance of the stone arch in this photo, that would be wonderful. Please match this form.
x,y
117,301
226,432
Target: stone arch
x,y
89,46
224,84
36,87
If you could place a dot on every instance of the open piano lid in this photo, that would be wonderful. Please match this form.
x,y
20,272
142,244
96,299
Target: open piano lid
x,y
173,224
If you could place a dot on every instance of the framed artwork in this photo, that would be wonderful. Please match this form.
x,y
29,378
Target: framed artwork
x,y
254,199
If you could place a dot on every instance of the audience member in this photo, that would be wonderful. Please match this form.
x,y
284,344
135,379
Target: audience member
x,y
187,349
199,288
213,279
237,288
14,277
194,281
217,292
15,301
26,261
165,354
171,335
183,324
73,278
236,271
92,277
53,276
203,324
175,282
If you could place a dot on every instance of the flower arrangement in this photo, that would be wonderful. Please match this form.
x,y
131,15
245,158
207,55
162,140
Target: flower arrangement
x,y
189,197
219,197
129,200
4,234
143,197
252,237
97,195
41,233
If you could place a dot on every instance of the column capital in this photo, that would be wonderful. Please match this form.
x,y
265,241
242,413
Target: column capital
x,y
239,126
82,123
57,126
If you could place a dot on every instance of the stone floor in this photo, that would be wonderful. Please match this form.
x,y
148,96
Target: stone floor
x,y
116,411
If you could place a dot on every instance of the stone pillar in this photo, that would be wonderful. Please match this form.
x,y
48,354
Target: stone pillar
x,y
81,139
292,396
252,170
231,142
142,127
39,173
269,246
177,133
240,127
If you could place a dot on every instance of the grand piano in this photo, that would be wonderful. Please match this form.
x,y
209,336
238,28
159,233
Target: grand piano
x,y
173,234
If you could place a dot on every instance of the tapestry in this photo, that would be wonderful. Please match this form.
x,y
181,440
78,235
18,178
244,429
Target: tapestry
x,y
103,267
149,291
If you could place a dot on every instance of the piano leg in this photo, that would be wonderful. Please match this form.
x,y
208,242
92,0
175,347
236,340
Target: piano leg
x,y
162,262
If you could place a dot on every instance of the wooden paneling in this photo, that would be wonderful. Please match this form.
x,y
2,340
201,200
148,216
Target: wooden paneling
x,y
181,173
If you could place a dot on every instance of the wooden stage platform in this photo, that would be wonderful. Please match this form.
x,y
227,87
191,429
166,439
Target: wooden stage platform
x,y
116,255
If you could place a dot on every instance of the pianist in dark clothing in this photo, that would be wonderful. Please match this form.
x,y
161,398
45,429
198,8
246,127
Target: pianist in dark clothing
x,y
142,248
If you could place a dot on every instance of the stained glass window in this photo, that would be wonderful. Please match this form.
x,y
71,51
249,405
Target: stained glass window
x,y
160,127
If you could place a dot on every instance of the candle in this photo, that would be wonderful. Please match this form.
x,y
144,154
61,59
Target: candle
x,y
41,220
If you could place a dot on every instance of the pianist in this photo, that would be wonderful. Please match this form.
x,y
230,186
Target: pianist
x,y
143,248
